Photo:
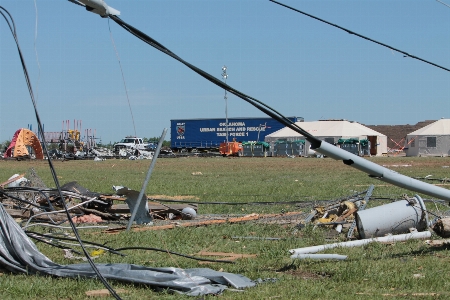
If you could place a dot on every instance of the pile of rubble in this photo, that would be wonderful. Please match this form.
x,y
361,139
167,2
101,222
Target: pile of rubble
x,y
27,198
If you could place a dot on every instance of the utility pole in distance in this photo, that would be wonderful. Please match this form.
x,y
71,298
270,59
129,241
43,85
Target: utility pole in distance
x,y
224,76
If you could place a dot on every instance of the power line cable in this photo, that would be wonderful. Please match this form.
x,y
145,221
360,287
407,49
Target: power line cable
x,y
35,51
315,142
406,54
123,78
443,3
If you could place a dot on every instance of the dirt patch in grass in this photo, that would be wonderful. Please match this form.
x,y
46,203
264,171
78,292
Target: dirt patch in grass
x,y
308,275
296,272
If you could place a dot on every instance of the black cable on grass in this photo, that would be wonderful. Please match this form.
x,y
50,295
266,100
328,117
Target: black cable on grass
x,y
361,36
315,142
12,28
53,244
175,253
116,250
112,250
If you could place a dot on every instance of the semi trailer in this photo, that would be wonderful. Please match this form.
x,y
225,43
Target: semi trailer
x,y
208,134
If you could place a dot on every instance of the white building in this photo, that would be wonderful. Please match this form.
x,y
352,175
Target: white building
x,y
331,131
431,140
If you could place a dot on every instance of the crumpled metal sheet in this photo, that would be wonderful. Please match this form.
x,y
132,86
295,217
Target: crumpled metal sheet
x,y
19,254
142,213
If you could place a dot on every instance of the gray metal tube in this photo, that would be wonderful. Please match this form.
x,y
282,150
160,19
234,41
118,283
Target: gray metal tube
x,y
382,173
147,178
319,256
385,239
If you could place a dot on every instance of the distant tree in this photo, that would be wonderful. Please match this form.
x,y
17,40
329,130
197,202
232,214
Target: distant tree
x,y
5,145
52,146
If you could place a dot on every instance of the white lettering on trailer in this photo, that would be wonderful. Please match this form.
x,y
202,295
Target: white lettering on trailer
x,y
207,129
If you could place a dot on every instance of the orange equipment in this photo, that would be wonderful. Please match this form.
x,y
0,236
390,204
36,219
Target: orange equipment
x,y
22,138
231,148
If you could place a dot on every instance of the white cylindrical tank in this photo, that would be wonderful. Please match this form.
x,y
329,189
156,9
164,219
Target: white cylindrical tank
x,y
393,218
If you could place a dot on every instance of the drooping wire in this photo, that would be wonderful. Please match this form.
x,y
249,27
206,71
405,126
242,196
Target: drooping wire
x,y
315,142
123,77
443,3
35,51
12,28
361,36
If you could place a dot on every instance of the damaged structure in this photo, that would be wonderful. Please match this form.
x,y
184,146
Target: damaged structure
x,y
22,139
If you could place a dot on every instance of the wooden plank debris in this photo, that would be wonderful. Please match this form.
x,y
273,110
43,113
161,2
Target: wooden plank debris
x,y
11,180
225,255
104,292
251,217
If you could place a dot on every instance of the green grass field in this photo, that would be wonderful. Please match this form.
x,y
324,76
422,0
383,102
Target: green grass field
x,y
368,273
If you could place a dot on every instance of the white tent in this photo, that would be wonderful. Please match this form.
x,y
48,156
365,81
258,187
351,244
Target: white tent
x,y
431,140
331,132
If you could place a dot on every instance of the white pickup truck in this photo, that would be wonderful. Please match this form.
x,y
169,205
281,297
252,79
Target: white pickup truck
x,y
132,145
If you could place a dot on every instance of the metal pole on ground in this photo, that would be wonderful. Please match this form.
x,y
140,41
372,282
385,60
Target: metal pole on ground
x,y
147,178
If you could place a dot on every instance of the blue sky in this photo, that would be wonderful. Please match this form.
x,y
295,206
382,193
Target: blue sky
x,y
297,65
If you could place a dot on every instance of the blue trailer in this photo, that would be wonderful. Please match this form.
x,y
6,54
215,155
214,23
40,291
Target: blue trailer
x,y
207,134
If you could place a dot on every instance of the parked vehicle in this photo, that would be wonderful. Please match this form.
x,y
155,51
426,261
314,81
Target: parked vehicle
x,y
231,148
131,145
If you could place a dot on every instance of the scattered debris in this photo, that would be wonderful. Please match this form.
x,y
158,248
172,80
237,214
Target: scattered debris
x,y
20,255
197,173
442,227
340,213
14,181
91,218
437,242
142,215
251,217
69,255
188,213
